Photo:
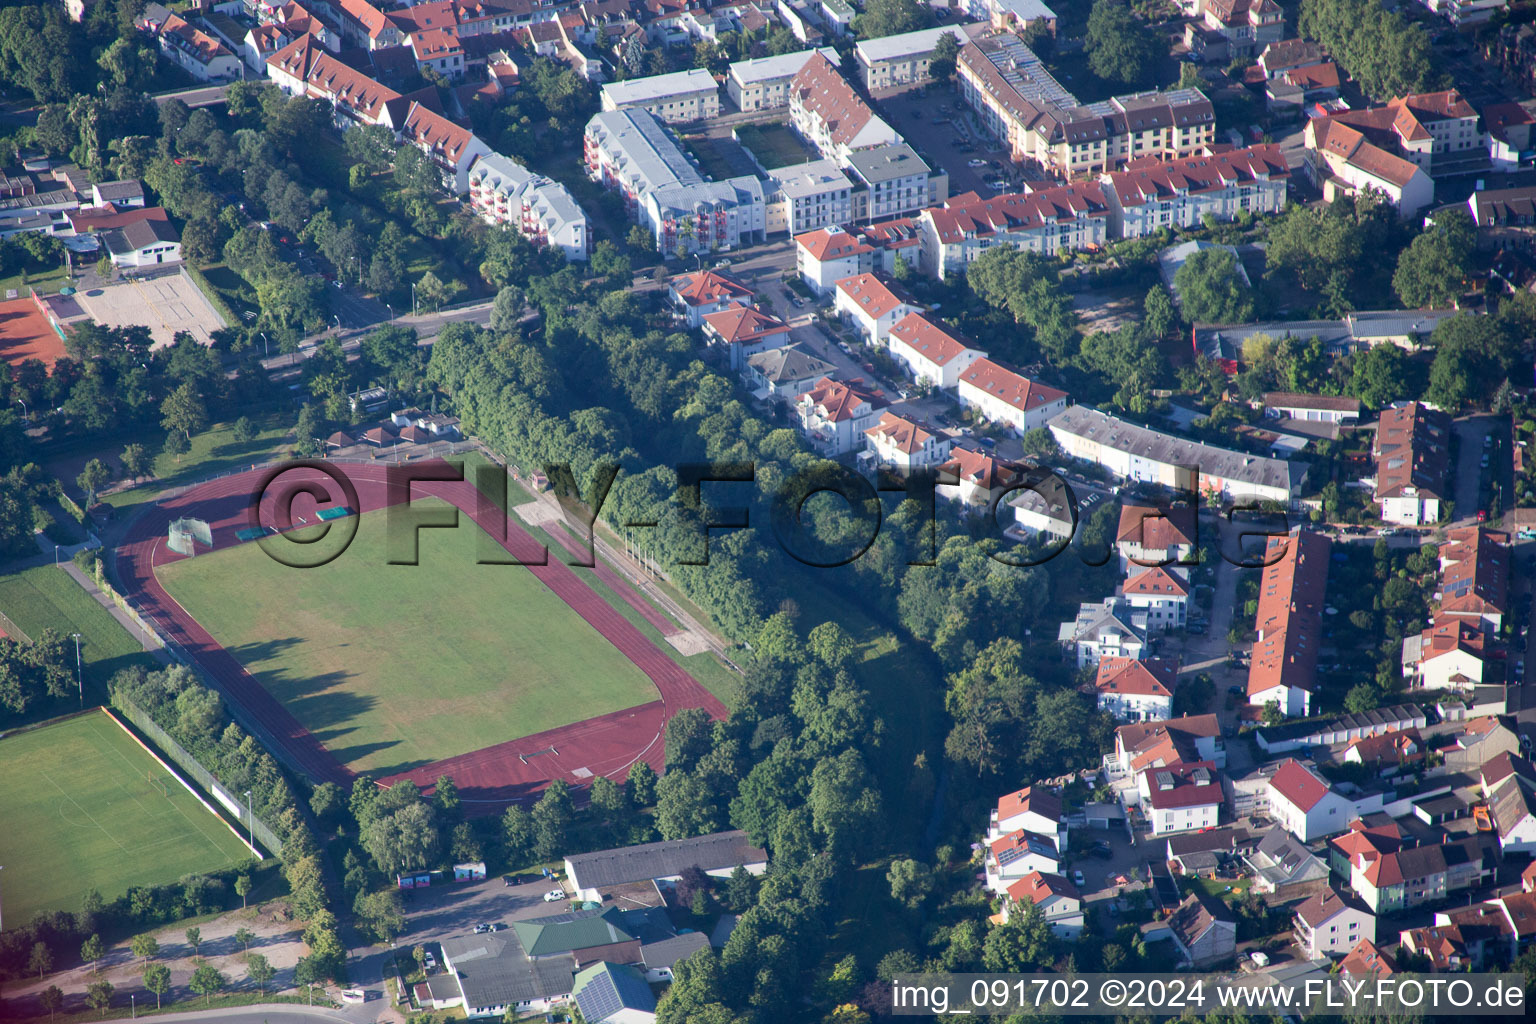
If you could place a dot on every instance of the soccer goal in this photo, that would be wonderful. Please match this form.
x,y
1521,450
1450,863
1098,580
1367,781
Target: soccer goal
x,y
186,533
157,784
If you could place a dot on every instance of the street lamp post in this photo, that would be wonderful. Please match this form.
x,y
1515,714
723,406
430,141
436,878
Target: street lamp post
x,y
413,299
391,312
55,556
24,413
79,676
265,352
337,318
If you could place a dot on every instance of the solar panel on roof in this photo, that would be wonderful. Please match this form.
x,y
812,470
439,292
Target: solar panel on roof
x,y
599,999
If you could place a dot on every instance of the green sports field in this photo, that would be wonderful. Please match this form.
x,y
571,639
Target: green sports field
x,y
85,814
46,596
392,666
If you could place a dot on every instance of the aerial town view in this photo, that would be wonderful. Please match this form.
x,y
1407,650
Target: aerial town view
x,y
767,511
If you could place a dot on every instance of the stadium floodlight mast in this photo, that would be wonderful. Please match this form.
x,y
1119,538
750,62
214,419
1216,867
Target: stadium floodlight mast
x,y
79,677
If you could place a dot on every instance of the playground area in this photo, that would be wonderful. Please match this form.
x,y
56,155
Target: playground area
x,y
100,814
174,303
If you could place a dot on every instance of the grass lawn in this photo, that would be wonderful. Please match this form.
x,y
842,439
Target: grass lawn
x,y
93,819
46,596
773,145
475,654
1227,889
711,160
47,280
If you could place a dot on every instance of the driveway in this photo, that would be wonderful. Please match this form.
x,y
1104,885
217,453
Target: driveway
x,y
1470,432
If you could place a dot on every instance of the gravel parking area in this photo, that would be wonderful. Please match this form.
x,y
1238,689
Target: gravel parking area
x,y
940,127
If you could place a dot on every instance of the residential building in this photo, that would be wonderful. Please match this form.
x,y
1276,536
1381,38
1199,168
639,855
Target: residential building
x,y
1017,854
1003,396
661,956
828,255
1366,961
931,350
897,60
1011,15
634,153
1341,161
785,373
903,444
1049,508
1434,131
1284,868
835,414
123,195
1203,930
898,239
489,972
830,116
1303,802
1289,621
1061,905
1332,409
1040,121
1159,596
1462,13
872,304
1475,565
1412,452
143,243
453,150
189,48
810,196
763,82
743,332
977,479
1505,217
1051,221
608,993
1331,924
1180,797
365,26
1406,878
1151,195
1513,806
1232,29
304,68
1181,740
707,291
1290,55
1137,453
892,181
1148,536
717,855
1034,809
677,98
1447,655
1389,748
1136,690
1102,630
540,209
1206,854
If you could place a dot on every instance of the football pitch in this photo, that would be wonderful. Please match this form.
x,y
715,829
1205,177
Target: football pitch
x,y
91,810
393,667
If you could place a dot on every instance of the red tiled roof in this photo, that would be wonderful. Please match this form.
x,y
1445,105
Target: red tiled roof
x,y
1365,958
905,435
930,338
1156,529
435,133
1011,388
1447,636
1030,798
1396,746
831,244
873,293
1475,572
968,216
822,90
1289,619
1038,887
1187,790
707,287
1158,181
1350,145
104,218
1155,582
741,325
1173,740
842,400
982,470
1298,785
1153,677
1412,449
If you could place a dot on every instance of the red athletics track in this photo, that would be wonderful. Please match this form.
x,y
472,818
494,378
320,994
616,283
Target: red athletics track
x,y
504,773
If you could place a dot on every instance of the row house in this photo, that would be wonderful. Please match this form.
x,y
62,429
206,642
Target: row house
x,y
1475,565
366,26
1169,460
1367,961
540,209
762,83
1149,196
872,304
452,149
826,112
305,68
1412,452
1011,15
1050,222
1289,622
1003,396
1426,129
834,415
1393,882
931,350
677,98
903,444
1136,689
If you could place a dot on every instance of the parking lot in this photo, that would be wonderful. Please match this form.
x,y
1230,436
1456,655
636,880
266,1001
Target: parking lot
x,y
940,127
449,909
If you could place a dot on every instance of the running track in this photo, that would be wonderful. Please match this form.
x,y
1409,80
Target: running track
x,y
497,775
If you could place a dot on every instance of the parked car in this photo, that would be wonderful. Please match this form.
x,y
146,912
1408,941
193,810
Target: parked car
x,y
1079,880
496,927
481,929
430,961
1259,957
976,163
793,301
554,896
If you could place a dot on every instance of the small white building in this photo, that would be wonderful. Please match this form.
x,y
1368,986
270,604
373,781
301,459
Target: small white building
x,y
1034,809
905,444
1058,899
1017,854
1304,803
1447,655
1334,409
1137,690
1102,630
706,291
1003,396
143,243
717,855
744,331
931,351
1160,596
872,304
828,255
1330,924
834,415
762,83
1180,797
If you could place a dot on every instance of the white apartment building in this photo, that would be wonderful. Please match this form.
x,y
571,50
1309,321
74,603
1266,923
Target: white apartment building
x,y
1136,690
1049,222
892,181
677,98
1004,396
872,304
931,351
762,83
834,415
830,116
1162,597
899,59
1181,193
503,191
828,255
809,196
903,444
